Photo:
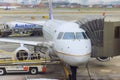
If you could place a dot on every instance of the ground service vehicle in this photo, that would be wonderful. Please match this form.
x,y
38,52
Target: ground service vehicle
x,y
22,67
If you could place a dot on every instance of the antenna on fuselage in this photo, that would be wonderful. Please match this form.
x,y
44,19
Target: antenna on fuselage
x,y
50,10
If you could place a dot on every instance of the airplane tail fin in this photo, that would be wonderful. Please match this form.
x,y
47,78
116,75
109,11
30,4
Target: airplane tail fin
x,y
50,10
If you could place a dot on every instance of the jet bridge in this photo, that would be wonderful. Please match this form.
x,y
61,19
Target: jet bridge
x,y
104,33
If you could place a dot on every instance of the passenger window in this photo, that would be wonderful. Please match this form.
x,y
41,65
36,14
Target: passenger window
x,y
69,35
60,35
117,32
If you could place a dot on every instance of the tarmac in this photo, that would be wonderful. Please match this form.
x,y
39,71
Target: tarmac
x,y
95,70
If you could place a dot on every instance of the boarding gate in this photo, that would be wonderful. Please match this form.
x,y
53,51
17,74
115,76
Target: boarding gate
x,y
104,33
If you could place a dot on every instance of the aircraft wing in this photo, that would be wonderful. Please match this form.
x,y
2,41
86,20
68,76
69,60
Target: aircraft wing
x,y
32,43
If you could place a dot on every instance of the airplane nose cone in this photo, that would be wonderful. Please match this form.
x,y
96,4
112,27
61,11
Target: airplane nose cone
x,y
74,60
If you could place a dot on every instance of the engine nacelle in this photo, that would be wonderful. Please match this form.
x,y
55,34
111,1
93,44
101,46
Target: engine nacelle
x,y
22,53
103,59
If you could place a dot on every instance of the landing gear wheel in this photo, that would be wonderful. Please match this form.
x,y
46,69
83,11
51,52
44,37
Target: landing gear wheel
x,y
70,77
33,71
103,59
2,71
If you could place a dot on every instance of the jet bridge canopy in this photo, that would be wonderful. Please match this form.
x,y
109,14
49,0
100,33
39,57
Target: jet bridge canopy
x,y
104,33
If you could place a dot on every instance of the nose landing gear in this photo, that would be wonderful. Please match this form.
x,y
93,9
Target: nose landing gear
x,y
73,73
70,72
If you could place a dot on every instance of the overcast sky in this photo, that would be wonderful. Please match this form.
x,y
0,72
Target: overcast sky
x,y
95,1
90,1
101,0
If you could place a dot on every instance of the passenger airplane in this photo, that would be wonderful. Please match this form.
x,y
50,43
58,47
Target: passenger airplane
x,y
33,27
65,39
25,24
8,7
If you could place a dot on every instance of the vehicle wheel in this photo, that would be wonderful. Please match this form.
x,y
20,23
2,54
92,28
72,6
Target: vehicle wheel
x,y
2,71
33,71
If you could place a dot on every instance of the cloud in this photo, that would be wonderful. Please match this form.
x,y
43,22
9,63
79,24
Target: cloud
x,y
99,1
84,1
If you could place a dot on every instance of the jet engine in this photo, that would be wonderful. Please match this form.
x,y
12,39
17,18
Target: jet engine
x,y
103,59
22,53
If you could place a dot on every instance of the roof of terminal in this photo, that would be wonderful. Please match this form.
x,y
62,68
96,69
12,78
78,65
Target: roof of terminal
x,y
112,19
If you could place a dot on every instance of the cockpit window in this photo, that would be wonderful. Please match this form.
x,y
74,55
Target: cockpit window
x,y
60,35
69,35
85,35
81,35
72,35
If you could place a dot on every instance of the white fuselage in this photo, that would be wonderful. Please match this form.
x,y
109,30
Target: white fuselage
x,y
71,44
